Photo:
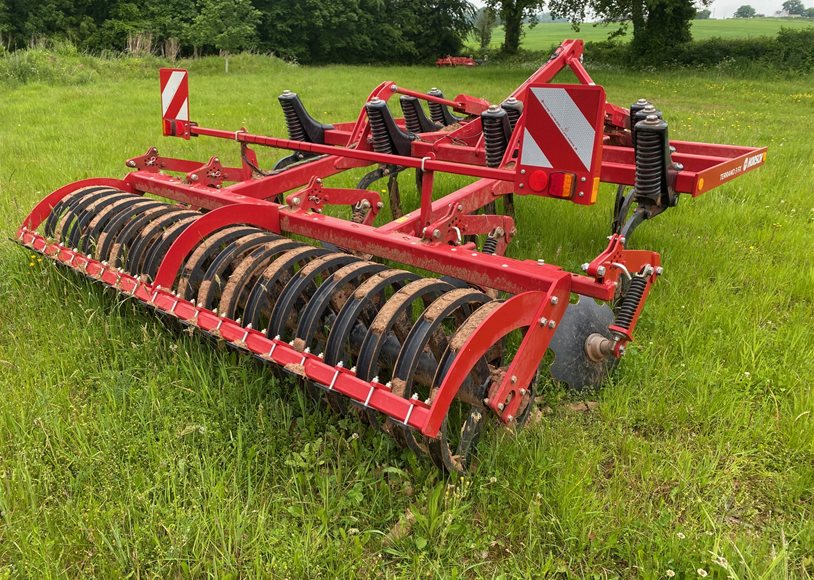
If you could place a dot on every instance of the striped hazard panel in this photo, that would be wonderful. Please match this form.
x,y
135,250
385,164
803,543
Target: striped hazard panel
x,y
561,145
174,96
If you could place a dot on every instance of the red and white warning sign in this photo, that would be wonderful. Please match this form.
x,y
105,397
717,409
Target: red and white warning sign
x,y
561,145
174,95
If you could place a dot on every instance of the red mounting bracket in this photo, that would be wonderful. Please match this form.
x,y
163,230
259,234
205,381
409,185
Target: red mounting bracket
x,y
456,225
314,197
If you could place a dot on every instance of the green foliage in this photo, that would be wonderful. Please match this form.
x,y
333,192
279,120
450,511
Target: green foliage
x,y
513,14
228,25
659,26
791,50
310,31
485,21
703,14
745,11
794,7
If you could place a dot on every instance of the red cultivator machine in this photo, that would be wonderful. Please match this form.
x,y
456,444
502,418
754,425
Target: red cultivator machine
x,y
427,359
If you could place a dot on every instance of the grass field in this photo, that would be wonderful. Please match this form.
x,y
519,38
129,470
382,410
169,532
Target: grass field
x,y
545,36
127,449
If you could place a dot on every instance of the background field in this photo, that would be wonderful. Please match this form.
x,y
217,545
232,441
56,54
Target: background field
x,y
545,36
128,449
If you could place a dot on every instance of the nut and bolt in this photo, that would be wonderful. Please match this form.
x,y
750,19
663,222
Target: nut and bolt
x,y
514,379
510,418
555,300
500,406
584,267
436,234
543,321
131,163
601,271
296,201
193,177
659,271
541,262
380,205
551,324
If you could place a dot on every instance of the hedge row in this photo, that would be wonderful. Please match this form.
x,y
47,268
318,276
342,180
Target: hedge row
x,y
790,50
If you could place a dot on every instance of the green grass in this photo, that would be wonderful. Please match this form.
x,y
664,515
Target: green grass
x,y
545,36
130,449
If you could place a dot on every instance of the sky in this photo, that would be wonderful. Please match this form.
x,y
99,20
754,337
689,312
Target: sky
x,y
726,8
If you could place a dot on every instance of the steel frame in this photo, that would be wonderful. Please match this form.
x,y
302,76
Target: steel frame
x,y
429,237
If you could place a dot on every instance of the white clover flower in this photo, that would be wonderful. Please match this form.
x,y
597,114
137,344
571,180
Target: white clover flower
x,y
702,572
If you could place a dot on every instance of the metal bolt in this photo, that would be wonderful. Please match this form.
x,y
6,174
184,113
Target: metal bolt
x,y
510,418
436,234
584,267
543,321
583,179
493,108
659,271
380,205
193,177
600,271
522,172
679,166
551,324
520,186
621,351
460,207
216,160
131,163
523,392
514,379
555,300
541,262
581,194
500,406
296,201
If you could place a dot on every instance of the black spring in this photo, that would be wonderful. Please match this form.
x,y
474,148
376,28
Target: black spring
x,y
630,303
378,130
296,131
494,135
408,107
514,109
649,164
489,246
437,109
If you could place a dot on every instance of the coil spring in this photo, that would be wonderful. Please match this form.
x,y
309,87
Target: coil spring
x,y
649,164
410,116
494,140
436,113
630,303
358,214
378,131
489,246
514,115
296,131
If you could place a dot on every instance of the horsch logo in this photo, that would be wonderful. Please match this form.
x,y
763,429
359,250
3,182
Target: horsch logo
x,y
748,163
752,161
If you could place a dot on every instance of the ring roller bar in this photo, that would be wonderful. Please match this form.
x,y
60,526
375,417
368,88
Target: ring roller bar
x,y
373,334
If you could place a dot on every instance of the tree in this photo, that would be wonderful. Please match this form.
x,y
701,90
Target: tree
x,y
809,13
794,7
513,13
703,14
659,26
745,11
485,21
229,25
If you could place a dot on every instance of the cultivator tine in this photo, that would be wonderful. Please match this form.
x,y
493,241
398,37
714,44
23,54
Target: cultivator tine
x,y
340,308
